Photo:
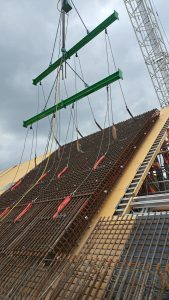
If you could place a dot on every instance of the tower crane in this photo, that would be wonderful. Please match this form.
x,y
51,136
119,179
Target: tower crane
x,y
151,42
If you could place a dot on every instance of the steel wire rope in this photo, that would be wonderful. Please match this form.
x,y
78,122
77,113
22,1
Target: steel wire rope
x,y
64,84
33,184
22,197
73,116
54,85
58,70
35,199
53,243
107,112
80,184
30,157
80,17
45,188
56,35
58,77
88,99
36,133
108,116
109,95
120,85
98,154
48,139
18,167
45,153
30,154
51,134
77,74
75,110
73,126
58,6
57,166
108,69
21,157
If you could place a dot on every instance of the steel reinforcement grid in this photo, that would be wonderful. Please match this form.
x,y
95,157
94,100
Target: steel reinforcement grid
x,y
125,257
35,244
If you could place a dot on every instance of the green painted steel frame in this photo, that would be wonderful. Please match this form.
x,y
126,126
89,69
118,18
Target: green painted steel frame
x,y
78,46
89,90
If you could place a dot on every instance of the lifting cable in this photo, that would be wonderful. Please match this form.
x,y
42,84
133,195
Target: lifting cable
x,y
120,85
29,189
54,84
36,132
109,93
80,17
86,85
74,107
58,163
49,137
108,116
88,99
31,152
20,161
97,158
56,35
74,118
29,162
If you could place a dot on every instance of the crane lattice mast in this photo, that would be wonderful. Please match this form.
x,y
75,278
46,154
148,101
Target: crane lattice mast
x,y
152,45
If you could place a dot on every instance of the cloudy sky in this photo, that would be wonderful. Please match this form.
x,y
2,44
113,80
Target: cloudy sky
x,y
27,32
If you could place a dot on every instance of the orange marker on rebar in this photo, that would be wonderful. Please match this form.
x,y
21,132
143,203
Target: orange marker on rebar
x,y
61,206
62,172
4,212
14,187
23,212
98,162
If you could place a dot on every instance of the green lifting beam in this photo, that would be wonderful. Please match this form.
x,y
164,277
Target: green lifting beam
x,y
89,90
77,47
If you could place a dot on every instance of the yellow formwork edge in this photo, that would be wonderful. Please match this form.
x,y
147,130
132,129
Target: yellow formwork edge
x,y
7,176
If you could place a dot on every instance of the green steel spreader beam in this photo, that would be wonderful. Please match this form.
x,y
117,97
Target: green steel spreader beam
x,y
89,90
77,47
